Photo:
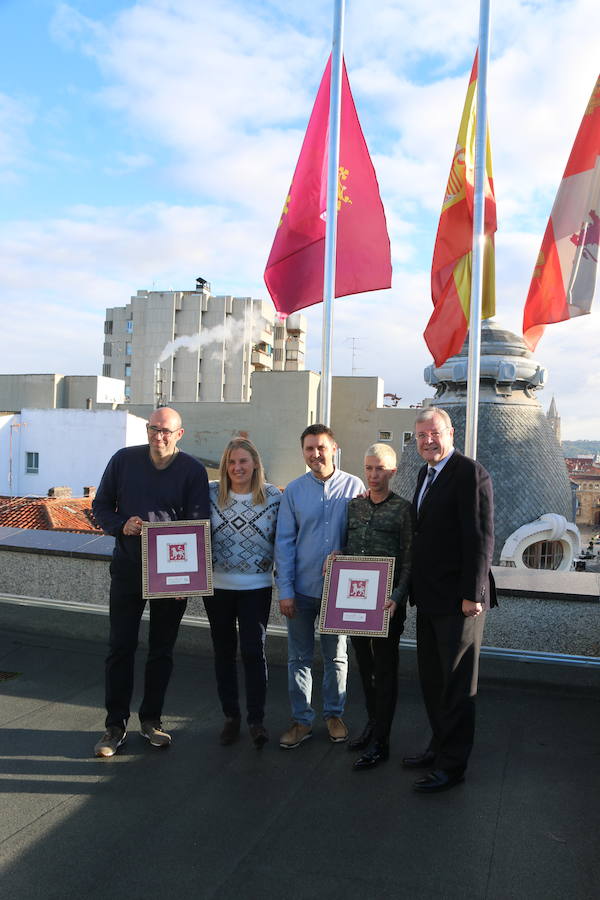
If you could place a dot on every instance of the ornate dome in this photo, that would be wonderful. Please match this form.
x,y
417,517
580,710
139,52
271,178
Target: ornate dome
x,y
516,442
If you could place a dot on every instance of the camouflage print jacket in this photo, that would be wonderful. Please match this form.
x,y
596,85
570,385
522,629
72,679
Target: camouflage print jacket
x,y
383,529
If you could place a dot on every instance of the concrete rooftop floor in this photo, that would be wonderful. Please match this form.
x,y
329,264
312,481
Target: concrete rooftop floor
x,y
202,821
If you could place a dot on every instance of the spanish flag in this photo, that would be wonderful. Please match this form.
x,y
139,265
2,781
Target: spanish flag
x,y
452,256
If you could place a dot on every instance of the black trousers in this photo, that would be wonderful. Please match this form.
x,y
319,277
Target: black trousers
x,y
448,657
377,659
126,608
250,611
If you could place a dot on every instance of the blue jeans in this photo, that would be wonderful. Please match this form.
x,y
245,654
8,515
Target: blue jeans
x,y
301,646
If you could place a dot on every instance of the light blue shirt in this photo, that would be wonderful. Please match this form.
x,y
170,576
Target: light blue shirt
x,y
311,524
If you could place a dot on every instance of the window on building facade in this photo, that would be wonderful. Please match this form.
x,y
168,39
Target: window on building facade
x,y
106,370
108,349
543,555
108,326
129,325
406,437
127,370
32,463
128,349
127,391
385,435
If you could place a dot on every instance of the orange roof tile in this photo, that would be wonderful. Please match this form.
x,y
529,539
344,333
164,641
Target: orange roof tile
x,y
48,513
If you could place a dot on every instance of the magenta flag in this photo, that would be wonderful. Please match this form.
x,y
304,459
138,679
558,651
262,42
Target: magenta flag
x,y
294,272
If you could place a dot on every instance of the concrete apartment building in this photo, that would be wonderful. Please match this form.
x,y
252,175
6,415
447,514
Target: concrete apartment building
x,y
185,346
55,391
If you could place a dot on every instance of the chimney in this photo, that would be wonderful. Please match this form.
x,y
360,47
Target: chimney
x,y
89,492
60,492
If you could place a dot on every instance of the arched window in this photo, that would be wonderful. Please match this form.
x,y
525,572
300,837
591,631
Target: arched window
x,y
543,555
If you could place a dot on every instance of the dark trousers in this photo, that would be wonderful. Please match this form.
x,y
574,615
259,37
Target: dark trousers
x,y
126,608
448,656
250,610
377,659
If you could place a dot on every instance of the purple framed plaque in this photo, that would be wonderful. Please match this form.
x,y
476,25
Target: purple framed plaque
x,y
176,559
355,592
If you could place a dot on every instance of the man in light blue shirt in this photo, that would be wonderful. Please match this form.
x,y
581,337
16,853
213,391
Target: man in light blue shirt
x,y
310,526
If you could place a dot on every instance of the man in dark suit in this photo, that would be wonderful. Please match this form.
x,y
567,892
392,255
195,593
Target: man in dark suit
x,y
452,587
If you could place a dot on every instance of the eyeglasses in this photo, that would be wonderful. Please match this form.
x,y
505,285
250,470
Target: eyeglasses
x,y
164,432
434,435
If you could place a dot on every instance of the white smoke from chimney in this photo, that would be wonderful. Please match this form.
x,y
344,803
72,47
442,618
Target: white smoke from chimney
x,y
233,334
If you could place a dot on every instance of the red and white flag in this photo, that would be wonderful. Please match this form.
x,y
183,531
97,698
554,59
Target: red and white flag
x,y
295,268
564,277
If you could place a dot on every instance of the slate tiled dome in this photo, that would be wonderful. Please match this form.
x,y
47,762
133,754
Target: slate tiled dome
x,y
516,442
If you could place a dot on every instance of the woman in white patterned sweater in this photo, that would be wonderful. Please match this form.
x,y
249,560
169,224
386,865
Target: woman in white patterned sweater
x,y
243,512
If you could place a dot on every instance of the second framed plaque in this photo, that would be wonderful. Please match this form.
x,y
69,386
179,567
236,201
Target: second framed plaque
x,y
355,592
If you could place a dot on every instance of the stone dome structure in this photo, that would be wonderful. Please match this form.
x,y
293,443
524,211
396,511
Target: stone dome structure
x,y
516,442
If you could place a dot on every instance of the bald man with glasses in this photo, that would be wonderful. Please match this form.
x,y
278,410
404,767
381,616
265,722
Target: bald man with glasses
x,y
154,482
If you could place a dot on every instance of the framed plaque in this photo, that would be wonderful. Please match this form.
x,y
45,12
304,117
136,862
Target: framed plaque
x,y
176,559
355,592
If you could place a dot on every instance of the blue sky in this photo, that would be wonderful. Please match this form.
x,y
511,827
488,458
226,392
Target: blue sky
x,y
142,145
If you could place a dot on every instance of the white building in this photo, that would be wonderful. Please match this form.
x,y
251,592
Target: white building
x,y
45,448
185,346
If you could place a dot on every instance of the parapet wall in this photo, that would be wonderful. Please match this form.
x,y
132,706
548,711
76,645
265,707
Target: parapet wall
x,y
545,612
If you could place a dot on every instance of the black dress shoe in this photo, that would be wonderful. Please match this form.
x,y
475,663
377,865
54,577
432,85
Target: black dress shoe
x,y
364,738
438,780
231,732
259,734
420,761
372,758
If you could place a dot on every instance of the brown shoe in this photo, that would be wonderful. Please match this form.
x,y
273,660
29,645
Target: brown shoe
x,y
295,735
111,740
259,734
338,733
231,732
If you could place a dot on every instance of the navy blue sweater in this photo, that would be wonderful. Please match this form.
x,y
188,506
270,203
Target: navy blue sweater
x,y
133,486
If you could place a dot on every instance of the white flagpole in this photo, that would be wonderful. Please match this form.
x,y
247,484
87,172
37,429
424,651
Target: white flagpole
x,y
332,198
473,367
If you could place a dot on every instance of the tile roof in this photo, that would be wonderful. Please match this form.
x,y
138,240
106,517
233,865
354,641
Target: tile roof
x,y
48,513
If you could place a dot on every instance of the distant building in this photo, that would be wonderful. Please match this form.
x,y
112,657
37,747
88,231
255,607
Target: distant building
x,y
584,472
554,419
185,346
43,448
55,391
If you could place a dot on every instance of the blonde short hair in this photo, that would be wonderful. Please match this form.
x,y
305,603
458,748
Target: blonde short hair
x,y
383,452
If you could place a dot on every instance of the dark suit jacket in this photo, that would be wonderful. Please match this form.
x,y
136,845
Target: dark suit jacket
x,y
453,541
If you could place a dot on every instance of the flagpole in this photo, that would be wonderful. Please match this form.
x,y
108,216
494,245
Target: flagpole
x,y
473,366
331,215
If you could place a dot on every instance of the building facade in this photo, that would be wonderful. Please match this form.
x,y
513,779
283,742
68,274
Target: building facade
x,y
584,472
186,346
43,448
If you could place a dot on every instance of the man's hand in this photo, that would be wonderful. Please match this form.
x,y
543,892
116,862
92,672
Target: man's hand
x,y
470,609
391,605
133,526
287,607
331,556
